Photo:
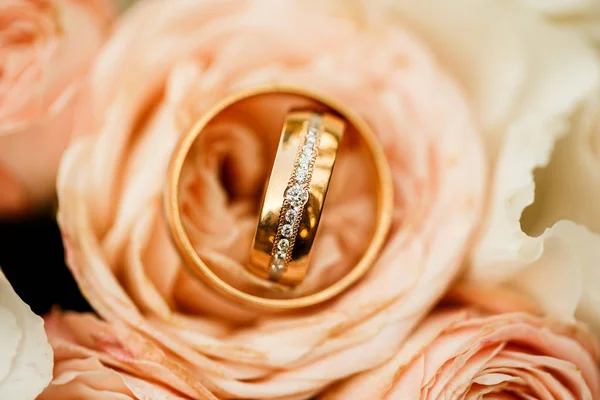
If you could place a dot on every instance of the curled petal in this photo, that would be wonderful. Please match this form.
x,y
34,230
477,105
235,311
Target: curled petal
x,y
526,112
25,354
547,246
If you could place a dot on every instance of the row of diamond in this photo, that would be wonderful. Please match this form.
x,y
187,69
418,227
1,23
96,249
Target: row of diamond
x,y
295,198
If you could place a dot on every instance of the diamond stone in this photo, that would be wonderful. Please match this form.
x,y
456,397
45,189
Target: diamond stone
x,y
280,255
307,149
301,175
283,244
290,215
305,160
296,195
287,230
311,138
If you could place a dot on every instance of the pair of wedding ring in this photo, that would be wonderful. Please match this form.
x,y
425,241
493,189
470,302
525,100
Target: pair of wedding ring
x,y
293,201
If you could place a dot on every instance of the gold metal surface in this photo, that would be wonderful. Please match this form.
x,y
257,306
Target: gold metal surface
x,y
382,178
330,131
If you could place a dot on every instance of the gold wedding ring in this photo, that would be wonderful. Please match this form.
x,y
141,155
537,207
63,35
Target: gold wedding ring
x,y
295,195
299,181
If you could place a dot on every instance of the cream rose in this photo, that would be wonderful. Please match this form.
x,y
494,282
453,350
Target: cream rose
x,y
577,15
542,234
535,88
25,354
168,62
46,46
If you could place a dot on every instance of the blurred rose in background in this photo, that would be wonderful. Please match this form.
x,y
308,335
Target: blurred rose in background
x,y
46,47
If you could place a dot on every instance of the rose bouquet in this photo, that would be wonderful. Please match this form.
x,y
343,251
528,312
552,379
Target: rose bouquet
x,y
488,284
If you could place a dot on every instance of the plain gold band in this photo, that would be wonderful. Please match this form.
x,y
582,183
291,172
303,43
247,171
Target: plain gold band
x,y
303,166
205,273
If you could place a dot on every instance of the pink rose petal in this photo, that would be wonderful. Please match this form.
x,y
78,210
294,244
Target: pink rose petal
x,y
464,354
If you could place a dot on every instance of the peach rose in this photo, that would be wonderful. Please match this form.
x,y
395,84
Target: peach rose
x,y
25,354
46,46
464,353
168,62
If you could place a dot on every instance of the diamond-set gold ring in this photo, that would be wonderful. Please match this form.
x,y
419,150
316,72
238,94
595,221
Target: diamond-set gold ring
x,y
295,196
293,199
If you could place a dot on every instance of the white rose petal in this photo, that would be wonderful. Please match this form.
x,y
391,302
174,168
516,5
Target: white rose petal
x,y
26,357
569,187
522,73
527,75
582,16
565,278
558,7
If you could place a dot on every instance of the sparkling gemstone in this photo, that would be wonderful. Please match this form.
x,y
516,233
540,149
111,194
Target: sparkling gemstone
x,y
307,149
311,138
283,244
290,215
296,195
287,231
301,175
305,160
281,255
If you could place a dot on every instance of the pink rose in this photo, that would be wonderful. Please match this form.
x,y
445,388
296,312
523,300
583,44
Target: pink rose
x,y
464,353
46,46
167,63
456,353
93,359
